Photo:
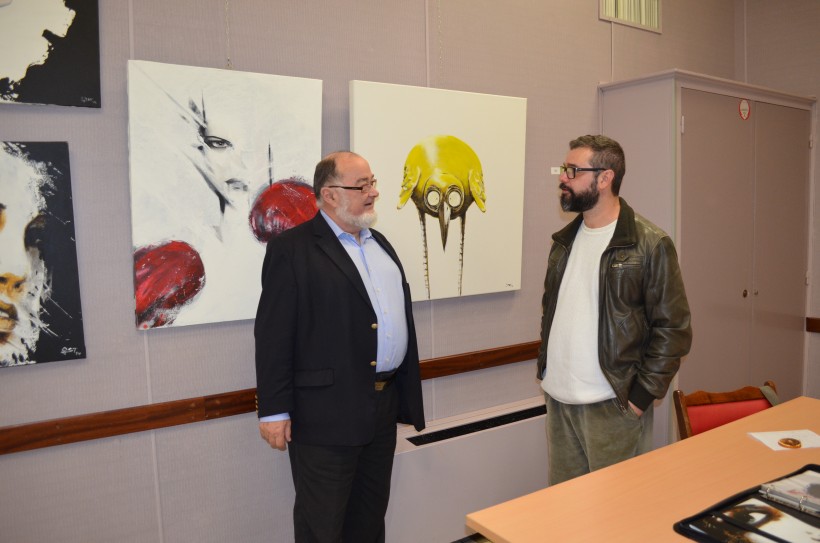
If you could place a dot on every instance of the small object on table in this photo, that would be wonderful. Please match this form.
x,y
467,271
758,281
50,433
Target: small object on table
x,y
790,443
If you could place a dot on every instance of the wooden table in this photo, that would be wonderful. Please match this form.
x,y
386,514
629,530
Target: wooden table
x,y
640,499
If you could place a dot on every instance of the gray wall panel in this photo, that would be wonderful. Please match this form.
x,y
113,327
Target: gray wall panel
x,y
696,37
220,482
89,492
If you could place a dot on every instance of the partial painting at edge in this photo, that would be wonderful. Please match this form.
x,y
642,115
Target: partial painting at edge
x,y
40,311
50,52
220,162
451,181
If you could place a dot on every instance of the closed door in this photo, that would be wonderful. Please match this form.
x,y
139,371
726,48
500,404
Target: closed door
x,y
717,239
744,205
782,158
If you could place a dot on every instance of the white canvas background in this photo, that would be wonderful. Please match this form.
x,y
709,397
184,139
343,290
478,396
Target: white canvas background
x,y
386,121
21,34
170,199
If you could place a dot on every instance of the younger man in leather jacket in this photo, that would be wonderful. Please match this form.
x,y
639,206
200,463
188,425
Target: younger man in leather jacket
x,y
615,318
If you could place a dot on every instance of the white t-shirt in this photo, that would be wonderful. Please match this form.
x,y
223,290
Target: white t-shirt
x,y
573,373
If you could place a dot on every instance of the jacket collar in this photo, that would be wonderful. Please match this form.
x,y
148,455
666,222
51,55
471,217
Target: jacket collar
x,y
625,232
327,241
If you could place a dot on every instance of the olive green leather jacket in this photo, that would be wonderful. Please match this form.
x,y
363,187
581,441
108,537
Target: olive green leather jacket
x,y
643,321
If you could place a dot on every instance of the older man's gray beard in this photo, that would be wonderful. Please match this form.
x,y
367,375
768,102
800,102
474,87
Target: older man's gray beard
x,y
362,222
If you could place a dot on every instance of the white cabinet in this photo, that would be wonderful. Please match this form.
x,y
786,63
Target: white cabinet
x,y
724,168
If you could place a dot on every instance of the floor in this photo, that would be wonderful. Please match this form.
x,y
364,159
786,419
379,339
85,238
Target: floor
x,y
475,538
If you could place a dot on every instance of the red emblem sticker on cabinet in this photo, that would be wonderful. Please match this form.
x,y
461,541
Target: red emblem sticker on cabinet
x,y
744,109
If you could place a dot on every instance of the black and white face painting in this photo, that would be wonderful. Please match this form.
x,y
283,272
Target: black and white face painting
x,y
22,270
204,144
37,256
50,52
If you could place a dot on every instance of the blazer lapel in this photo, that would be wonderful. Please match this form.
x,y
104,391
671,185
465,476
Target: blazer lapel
x,y
326,241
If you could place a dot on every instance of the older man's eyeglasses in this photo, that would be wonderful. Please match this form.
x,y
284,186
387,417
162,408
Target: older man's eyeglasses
x,y
571,170
365,189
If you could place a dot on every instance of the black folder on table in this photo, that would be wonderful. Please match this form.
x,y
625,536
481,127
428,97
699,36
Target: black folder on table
x,y
786,510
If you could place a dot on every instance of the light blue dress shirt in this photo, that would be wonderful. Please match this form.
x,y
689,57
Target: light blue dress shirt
x,y
382,279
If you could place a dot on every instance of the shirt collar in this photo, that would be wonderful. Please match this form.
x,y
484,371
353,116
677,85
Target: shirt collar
x,y
337,230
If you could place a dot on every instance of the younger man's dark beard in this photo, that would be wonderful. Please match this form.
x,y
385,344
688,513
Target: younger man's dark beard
x,y
580,202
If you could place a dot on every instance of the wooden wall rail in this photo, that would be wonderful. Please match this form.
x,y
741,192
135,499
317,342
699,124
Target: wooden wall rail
x,y
37,435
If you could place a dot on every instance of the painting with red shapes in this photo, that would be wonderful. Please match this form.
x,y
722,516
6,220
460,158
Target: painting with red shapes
x,y
220,162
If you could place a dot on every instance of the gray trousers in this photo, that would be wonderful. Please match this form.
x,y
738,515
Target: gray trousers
x,y
583,438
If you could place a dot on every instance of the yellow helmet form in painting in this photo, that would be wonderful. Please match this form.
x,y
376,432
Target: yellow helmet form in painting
x,y
443,176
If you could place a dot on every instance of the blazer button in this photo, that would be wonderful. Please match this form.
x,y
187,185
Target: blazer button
x,y
373,363
374,325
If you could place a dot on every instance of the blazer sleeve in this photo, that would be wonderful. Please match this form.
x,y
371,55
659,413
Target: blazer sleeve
x,y
275,331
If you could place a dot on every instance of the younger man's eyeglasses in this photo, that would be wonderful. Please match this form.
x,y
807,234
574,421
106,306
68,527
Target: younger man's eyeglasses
x,y
571,170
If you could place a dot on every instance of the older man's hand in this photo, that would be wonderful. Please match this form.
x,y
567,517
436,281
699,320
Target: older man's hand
x,y
276,433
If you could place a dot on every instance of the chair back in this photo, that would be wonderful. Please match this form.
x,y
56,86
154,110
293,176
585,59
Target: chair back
x,y
702,411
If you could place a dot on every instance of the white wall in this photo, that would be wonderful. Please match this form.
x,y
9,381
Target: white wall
x,y
216,481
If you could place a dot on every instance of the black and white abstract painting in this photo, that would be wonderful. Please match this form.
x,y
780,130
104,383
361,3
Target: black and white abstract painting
x,y
220,161
50,52
40,311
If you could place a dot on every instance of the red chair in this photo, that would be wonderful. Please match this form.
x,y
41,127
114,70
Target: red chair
x,y
702,411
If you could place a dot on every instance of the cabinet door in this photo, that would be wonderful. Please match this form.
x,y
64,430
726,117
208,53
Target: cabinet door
x,y
716,239
782,159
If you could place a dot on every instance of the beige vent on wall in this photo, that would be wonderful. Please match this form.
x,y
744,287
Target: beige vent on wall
x,y
644,14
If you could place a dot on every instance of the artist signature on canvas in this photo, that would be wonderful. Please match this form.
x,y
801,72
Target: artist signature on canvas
x,y
70,350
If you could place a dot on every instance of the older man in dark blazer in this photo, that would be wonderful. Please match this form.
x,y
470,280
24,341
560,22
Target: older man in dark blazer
x,y
336,358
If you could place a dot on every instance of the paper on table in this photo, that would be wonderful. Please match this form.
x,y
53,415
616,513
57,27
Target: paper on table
x,y
808,439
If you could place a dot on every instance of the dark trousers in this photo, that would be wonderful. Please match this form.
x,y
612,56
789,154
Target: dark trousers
x,y
342,492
